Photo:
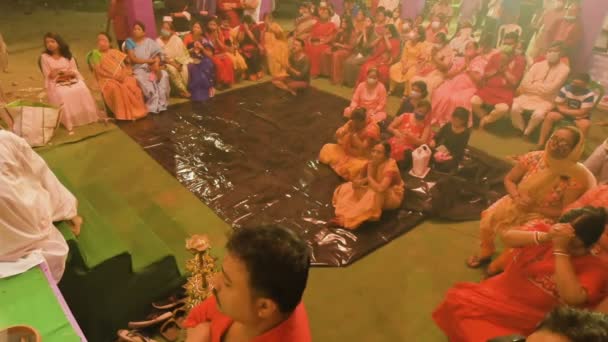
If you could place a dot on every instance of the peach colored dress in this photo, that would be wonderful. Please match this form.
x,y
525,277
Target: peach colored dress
x,y
374,101
357,204
344,158
79,107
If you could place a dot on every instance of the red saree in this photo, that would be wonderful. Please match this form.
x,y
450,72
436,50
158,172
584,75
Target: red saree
x,y
224,69
230,8
515,301
321,36
381,59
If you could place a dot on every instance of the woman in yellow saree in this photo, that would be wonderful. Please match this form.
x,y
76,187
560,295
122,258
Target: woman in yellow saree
x,y
116,81
275,47
355,140
379,187
540,186
415,55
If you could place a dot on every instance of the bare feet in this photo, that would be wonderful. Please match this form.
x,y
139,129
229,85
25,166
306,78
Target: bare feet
x,y
482,124
75,225
186,94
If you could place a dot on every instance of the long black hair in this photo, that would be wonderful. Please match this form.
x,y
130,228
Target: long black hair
x,y
64,48
588,223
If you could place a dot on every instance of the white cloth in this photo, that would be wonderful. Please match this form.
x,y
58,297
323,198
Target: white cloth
x,y
11,268
254,12
31,199
335,19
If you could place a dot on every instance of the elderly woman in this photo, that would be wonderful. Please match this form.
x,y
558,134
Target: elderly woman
x,y
415,53
552,266
435,70
378,187
370,95
540,186
355,140
145,55
322,36
176,58
116,82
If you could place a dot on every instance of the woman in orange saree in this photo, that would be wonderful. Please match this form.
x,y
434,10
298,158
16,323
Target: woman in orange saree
x,y
118,86
378,187
321,37
355,140
540,186
552,266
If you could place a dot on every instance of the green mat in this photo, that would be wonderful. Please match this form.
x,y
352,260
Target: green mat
x,y
27,299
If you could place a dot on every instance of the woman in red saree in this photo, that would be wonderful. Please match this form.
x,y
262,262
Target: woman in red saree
x,y
409,131
224,68
332,61
230,9
386,52
551,267
321,38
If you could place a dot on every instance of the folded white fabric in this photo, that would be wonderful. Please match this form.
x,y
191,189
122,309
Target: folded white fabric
x,y
9,269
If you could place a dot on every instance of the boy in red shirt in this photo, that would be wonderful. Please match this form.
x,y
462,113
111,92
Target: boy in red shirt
x,y
258,293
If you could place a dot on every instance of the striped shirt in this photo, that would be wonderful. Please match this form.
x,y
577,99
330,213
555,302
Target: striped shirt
x,y
582,100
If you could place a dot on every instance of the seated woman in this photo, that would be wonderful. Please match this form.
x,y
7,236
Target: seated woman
x,y
370,95
540,186
230,39
378,187
230,9
304,23
434,71
385,53
359,55
224,69
417,94
249,46
202,72
451,141
298,70
116,82
36,199
462,38
461,84
176,58
355,140
275,46
409,131
415,53
65,85
145,55
435,27
552,266
332,62
322,36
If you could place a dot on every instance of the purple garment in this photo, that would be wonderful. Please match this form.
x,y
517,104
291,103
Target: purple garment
x,y
593,12
142,10
201,78
265,8
338,6
411,8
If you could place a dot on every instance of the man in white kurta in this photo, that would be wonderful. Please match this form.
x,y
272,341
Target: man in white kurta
x,y
538,90
31,199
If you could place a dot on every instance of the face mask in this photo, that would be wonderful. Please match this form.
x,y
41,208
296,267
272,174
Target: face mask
x,y
372,81
165,33
415,95
419,116
552,57
506,49
412,36
435,24
406,26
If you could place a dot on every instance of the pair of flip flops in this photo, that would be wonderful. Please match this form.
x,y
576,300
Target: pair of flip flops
x,y
21,333
171,321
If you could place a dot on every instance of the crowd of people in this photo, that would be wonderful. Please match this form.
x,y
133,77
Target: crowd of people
x,y
552,220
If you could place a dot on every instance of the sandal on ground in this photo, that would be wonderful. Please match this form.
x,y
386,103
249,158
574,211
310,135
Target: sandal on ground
x,y
169,303
133,336
476,262
20,333
153,319
171,329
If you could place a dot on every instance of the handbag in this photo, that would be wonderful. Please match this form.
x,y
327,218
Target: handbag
x,y
34,121
421,157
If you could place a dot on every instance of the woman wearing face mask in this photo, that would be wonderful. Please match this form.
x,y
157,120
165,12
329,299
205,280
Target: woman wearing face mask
x,y
177,58
385,53
332,63
435,27
551,266
540,186
116,82
354,141
415,53
461,84
545,26
378,187
409,131
417,94
360,54
434,71
370,95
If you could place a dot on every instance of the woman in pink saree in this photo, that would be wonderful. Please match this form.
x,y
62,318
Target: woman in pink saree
x,y
370,95
460,86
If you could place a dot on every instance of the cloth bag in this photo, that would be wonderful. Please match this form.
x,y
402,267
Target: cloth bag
x,y
34,121
420,161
